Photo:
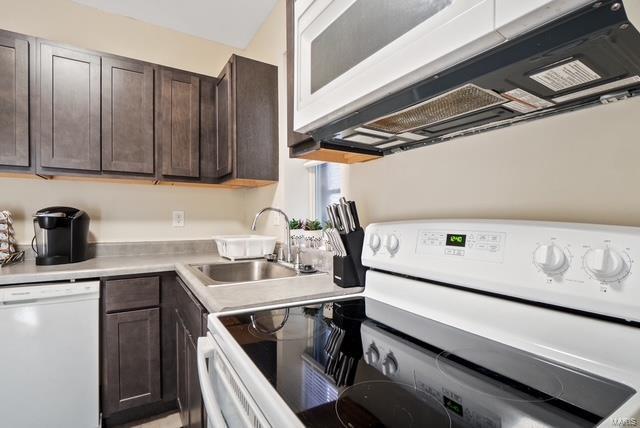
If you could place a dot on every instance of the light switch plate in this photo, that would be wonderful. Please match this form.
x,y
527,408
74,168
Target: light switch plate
x,y
178,219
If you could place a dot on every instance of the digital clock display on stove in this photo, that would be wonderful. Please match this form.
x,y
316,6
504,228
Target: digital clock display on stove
x,y
456,240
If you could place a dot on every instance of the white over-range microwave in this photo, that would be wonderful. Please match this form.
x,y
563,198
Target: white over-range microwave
x,y
351,53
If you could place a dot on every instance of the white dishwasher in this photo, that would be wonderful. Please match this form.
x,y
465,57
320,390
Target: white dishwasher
x,y
49,355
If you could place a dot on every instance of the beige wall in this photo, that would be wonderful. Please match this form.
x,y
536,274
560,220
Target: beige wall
x,y
82,26
126,211
579,167
292,191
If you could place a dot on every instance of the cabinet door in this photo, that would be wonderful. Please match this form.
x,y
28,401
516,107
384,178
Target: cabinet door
x,y
225,122
208,148
195,395
179,124
181,362
127,116
14,100
69,109
132,362
255,94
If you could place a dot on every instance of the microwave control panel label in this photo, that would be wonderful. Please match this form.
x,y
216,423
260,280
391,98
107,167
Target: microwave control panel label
x,y
565,76
525,102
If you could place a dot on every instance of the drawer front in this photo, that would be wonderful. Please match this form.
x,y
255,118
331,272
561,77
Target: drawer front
x,y
189,310
131,293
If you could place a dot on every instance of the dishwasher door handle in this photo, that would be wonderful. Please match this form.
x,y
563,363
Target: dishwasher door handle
x,y
205,352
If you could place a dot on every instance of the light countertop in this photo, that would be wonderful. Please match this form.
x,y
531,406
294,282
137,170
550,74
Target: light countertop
x,y
218,298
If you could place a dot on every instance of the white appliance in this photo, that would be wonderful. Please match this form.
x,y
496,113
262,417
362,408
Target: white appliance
x,y
49,371
551,306
336,75
383,75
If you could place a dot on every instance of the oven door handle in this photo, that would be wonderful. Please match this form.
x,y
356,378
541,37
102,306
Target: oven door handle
x,y
205,352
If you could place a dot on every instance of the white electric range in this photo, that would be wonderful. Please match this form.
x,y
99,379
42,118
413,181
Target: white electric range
x,y
461,324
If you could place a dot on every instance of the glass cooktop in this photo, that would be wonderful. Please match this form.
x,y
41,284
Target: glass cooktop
x,y
361,363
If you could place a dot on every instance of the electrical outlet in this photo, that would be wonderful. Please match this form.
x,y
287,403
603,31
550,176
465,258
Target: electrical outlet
x,y
276,219
178,219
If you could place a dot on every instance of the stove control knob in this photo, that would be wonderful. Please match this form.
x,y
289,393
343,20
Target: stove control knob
x,y
605,264
374,242
372,356
391,243
389,365
550,259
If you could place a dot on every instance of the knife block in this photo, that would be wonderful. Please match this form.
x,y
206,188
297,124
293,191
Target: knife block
x,y
348,271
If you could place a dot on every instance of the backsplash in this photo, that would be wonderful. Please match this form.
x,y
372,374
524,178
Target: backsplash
x,y
144,248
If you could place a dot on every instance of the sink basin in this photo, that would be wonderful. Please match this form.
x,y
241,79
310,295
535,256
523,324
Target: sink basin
x,y
251,271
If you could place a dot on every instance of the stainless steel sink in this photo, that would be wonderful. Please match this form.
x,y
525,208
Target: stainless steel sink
x,y
250,271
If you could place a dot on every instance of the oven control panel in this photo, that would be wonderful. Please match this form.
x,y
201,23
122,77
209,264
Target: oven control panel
x,y
579,266
476,245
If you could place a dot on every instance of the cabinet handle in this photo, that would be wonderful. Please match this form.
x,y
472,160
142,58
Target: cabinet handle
x,y
214,414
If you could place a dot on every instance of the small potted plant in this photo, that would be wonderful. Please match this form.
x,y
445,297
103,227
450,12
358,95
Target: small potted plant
x,y
296,230
313,230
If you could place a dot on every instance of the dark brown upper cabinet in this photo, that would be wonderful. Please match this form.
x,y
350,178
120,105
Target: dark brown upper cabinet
x,y
179,124
71,111
127,116
247,124
302,145
14,100
69,108
224,121
208,133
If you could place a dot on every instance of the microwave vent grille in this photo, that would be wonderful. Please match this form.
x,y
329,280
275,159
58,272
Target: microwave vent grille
x,y
458,102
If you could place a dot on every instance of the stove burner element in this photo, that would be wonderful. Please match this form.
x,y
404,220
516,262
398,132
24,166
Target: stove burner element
x,y
389,404
514,376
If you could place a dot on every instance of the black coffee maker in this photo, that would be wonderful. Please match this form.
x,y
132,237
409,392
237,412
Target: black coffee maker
x,y
61,235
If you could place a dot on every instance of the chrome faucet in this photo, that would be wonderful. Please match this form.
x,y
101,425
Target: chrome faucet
x,y
288,256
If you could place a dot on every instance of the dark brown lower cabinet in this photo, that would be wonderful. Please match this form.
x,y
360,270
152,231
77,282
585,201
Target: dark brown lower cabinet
x,y
181,371
132,359
189,314
150,330
193,389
